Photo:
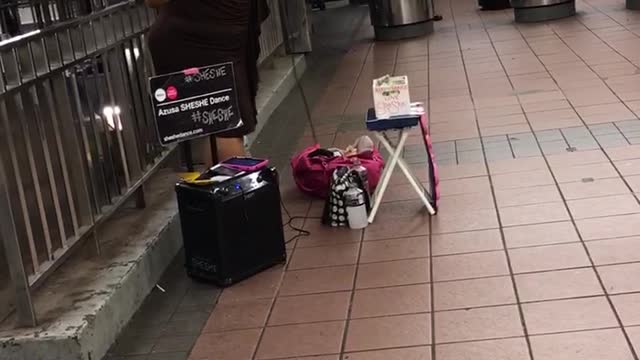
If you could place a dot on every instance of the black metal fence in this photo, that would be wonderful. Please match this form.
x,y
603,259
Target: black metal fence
x,y
21,16
77,137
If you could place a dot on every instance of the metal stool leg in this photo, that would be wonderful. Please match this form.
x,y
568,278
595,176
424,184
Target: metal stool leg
x,y
386,174
413,179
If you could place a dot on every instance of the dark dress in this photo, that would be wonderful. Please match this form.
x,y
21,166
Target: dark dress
x,y
196,33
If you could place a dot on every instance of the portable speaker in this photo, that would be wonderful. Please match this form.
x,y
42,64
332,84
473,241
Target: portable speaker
x,y
232,230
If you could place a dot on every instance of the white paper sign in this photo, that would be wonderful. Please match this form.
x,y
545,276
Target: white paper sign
x,y
391,96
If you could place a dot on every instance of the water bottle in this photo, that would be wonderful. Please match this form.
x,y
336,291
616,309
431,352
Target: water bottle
x,y
362,174
361,171
356,208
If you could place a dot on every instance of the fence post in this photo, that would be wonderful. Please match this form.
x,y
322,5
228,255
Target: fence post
x,y
24,306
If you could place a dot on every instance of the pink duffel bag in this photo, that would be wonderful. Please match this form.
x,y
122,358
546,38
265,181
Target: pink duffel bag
x,y
312,174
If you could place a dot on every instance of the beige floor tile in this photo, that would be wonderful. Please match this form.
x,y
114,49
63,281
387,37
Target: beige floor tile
x,y
464,220
465,186
478,324
388,332
609,227
624,152
591,96
597,114
522,179
548,257
471,201
560,103
582,172
620,278
310,308
615,251
321,235
555,285
568,315
469,266
396,300
393,273
449,172
533,214
604,206
324,256
466,294
504,129
607,344
318,280
532,164
594,189
540,234
466,242
615,69
404,227
413,353
628,167
527,196
301,340
506,349
578,158
498,111
395,249
553,119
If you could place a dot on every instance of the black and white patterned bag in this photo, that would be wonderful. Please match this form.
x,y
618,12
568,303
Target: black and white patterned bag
x,y
335,209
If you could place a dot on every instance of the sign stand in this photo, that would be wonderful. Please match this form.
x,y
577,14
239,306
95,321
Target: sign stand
x,y
401,125
397,160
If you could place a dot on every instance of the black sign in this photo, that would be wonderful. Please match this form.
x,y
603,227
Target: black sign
x,y
195,102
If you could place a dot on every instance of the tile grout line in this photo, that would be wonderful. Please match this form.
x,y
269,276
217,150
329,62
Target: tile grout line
x,y
583,242
346,321
493,194
345,333
277,292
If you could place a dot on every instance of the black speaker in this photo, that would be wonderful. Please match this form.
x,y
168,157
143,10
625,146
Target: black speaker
x,y
232,230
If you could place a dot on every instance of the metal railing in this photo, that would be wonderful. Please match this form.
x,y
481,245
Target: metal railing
x,y
272,35
19,16
77,138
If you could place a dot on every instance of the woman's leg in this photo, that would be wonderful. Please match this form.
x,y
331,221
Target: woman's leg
x,y
201,151
230,147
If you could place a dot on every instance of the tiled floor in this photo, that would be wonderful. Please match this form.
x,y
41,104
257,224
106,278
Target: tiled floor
x,y
535,253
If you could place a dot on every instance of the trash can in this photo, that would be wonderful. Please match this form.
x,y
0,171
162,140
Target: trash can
x,y
401,19
542,10
633,4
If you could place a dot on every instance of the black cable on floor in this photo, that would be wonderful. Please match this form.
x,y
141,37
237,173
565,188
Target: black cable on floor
x,y
301,232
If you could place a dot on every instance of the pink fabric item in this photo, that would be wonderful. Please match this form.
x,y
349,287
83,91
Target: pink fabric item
x,y
313,174
435,177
